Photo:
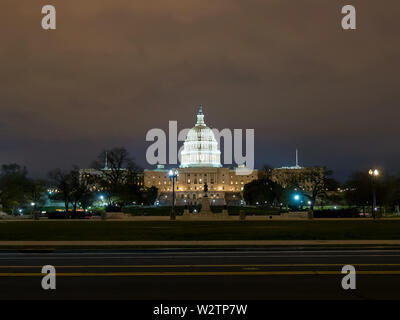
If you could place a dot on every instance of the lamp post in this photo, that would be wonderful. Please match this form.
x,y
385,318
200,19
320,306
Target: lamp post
x,y
373,174
173,175
296,198
34,214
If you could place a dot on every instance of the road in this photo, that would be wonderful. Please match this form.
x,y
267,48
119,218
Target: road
x,y
227,274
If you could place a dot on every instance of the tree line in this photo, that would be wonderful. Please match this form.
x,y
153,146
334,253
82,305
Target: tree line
x,y
114,176
324,190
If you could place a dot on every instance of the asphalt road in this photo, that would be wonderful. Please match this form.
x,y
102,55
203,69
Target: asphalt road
x,y
202,274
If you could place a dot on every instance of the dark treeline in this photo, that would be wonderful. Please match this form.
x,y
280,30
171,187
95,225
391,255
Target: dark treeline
x,y
324,191
116,179
113,177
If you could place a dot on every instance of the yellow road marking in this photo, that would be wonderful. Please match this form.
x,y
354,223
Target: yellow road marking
x,y
214,265
211,273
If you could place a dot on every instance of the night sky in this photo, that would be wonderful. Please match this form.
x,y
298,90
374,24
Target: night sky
x,y
115,69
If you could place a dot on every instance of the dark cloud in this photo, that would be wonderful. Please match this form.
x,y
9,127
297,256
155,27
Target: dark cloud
x,y
113,70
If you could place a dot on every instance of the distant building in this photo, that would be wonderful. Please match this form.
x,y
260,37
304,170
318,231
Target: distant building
x,y
302,177
101,173
200,164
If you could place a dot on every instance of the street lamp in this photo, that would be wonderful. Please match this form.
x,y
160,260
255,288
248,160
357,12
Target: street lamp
x,y
173,175
33,212
373,173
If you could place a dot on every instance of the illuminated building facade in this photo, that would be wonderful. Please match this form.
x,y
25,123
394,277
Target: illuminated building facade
x,y
298,176
200,164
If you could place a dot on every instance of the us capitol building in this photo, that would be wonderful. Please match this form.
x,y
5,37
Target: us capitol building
x,y
200,164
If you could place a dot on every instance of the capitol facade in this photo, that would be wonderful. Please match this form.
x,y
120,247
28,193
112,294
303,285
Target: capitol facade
x,y
200,165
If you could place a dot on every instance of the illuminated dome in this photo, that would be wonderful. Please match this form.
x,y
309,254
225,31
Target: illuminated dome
x,y
200,148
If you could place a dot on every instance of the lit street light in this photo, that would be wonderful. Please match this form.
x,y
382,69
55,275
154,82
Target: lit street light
x,y
374,173
33,212
173,175
297,199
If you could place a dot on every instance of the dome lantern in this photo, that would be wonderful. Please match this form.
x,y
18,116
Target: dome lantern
x,y
200,117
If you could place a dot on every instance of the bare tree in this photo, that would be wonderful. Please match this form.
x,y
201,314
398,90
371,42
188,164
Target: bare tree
x,y
81,192
117,168
72,188
318,182
63,181
14,186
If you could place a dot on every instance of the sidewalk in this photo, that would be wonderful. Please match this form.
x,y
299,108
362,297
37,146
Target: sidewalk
x,y
197,243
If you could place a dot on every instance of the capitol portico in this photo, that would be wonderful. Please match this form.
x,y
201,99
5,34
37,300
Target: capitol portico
x,y
200,164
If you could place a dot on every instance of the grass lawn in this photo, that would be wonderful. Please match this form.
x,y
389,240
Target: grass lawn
x,y
199,230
